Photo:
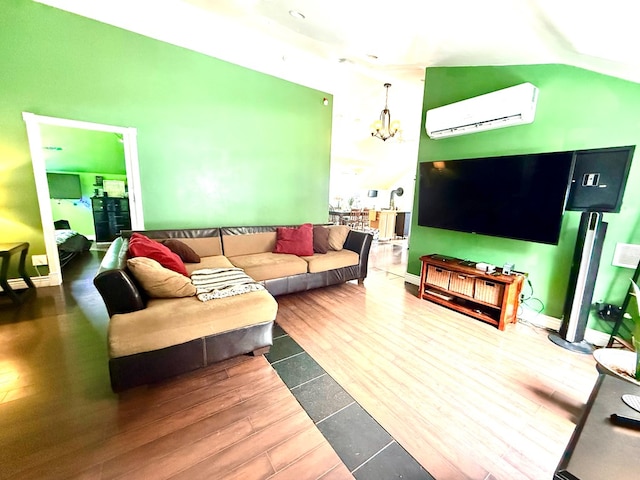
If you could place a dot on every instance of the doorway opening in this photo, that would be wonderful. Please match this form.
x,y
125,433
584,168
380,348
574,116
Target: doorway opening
x,y
40,131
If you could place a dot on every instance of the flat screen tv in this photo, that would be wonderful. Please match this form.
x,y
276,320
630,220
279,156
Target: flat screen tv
x,y
519,196
64,185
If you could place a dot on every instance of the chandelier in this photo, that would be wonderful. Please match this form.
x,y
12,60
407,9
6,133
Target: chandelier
x,y
385,128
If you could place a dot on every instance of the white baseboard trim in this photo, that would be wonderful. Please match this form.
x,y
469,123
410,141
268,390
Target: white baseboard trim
x,y
18,283
412,279
594,337
539,319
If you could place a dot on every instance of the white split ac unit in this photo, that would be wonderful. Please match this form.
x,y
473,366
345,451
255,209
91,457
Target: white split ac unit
x,y
503,108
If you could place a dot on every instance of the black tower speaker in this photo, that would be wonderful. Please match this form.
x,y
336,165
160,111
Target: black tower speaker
x,y
599,178
584,270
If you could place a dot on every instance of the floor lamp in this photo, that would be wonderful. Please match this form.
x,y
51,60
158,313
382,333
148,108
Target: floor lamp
x,y
399,192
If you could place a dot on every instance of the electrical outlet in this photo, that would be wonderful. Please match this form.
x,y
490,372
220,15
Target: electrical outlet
x,y
37,260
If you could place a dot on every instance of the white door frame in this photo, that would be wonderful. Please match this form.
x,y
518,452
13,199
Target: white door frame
x,y
129,135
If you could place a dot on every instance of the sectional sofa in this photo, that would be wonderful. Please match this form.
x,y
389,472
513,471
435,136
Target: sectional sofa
x,y
155,336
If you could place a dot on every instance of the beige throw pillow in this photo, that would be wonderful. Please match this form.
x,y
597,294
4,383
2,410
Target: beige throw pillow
x,y
160,282
337,236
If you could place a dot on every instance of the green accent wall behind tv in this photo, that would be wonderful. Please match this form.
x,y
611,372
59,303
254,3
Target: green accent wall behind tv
x,y
577,109
218,144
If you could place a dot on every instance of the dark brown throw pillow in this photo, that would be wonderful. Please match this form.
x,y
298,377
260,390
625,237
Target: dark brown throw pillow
x,y
184,251
320,239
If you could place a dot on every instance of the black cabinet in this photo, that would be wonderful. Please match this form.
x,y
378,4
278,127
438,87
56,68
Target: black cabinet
x,y
110,216
403,224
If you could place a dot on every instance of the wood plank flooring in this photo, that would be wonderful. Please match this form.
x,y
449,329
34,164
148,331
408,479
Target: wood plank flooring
x,y
466,400
59,419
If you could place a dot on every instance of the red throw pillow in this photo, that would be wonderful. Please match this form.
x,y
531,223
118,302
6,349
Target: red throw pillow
x,y
142,246
295,240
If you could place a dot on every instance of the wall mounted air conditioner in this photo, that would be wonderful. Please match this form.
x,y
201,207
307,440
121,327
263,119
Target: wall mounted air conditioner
x,y
503,108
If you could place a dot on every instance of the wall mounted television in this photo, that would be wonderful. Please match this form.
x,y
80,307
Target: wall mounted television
x,y
518,196
64,186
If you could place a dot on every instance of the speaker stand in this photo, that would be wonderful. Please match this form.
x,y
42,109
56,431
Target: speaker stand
x,y
584,270
579,347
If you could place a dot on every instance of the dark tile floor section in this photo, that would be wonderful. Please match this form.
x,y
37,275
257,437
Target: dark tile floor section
x,y
322,397
283,347
392,462
363,445
278,331
354,435
297,369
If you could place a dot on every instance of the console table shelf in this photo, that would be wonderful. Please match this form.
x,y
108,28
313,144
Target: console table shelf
x,y
492,298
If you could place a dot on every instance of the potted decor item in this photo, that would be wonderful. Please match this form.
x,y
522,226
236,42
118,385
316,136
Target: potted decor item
x,y
622,362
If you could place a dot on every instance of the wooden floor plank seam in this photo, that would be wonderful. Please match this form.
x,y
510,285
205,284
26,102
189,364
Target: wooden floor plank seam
x,y
287,474
231,445
220,461
146,464
180,413
297,447
161,467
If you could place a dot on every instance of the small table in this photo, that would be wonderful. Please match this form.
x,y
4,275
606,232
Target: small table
x,y
599,449
6,251
339,217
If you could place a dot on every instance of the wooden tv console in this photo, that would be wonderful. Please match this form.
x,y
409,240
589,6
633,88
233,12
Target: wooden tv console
x,y
492,298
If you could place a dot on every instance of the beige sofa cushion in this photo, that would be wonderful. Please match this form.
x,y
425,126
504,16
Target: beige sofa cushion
x,y
159,282
172,321
331,260
266,266
248,244
337,236
215,261
205,247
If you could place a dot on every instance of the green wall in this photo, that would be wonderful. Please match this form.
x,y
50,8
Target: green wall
x,y
577,109
78,150
218,144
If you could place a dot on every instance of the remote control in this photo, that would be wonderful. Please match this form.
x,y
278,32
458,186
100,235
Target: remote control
x,y
625,421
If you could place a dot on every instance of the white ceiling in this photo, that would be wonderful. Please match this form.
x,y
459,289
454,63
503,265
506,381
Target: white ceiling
x,y
350,48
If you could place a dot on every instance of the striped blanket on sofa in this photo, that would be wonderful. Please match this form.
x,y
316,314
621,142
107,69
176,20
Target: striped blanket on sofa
x,y
214,283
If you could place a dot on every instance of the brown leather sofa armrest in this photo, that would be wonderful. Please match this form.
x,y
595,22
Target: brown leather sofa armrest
x,y
360,242
118,290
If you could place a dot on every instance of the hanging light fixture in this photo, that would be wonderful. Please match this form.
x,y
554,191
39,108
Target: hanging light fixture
x,y
385,128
